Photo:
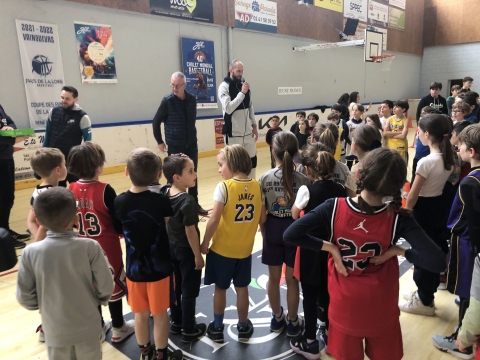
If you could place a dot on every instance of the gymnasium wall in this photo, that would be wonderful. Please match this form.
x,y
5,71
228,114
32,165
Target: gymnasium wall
x,y
147,52
444,63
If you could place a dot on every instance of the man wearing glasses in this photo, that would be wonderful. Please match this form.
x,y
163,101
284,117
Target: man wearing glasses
x,y
178,112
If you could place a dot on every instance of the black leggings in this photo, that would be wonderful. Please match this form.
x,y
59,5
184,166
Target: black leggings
x,y
116,312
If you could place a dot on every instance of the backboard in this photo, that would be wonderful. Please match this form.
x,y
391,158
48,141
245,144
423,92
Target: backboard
x,y
373,44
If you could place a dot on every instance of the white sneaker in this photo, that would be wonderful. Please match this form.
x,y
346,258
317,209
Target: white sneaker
x,y
41,334
408,295
415,306
107,325
120,334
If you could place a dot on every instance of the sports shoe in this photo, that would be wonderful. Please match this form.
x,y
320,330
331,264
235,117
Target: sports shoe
x,y
107,325
147,353
215,334
408,295
323,336
277,325
447,344
41,334
294,330
120,334
198,331
202,211
175,328
245,333
19,244
19,237
415,306
173,355
308,351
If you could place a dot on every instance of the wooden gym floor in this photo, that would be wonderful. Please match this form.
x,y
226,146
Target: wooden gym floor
x,y
17,329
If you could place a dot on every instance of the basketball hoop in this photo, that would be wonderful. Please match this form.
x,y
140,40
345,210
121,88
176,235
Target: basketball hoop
x,y
385,59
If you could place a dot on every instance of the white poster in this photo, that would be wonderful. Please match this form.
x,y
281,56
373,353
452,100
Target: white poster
x,y
377,13
398,3
355,9
258,15
42,68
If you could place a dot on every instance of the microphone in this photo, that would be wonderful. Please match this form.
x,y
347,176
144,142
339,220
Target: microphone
x,y
242,81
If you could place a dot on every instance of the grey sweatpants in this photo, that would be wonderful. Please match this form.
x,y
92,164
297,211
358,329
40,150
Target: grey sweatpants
x,y
82,351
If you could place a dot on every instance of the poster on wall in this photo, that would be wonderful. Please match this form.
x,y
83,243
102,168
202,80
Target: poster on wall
x,y
219,138
259,15
198,60
23,152
377,13
42,68
96,56
356,9
398,3
334,5
197,10
360,33
396,18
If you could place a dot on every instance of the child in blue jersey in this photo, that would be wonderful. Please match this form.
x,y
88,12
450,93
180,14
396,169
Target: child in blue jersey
x,y
279,186
425,199
319,166
236,210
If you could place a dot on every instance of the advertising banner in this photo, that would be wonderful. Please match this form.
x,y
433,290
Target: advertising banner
x,y
396,18
96,56
259,15
197,10
198,60
42,68
377,13
334,5
398,3
356,9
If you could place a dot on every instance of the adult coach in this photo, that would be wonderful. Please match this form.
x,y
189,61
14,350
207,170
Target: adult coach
x,y
240,126
67,125
178,112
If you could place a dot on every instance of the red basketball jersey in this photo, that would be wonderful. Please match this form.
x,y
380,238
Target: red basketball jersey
x,y
366,302
96,222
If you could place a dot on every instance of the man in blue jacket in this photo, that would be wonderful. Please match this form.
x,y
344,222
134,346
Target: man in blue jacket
x,y
178,112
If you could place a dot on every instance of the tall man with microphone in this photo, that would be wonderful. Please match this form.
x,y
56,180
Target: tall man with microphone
x,y
240,126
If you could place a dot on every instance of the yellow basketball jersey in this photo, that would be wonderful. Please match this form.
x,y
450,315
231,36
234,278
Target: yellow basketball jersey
x,y
238,225
338,150
397,125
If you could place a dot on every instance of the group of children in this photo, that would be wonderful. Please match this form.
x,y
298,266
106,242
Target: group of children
x,y
333,228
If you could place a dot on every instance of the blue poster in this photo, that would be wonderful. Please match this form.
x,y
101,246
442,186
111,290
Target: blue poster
x,y
198,59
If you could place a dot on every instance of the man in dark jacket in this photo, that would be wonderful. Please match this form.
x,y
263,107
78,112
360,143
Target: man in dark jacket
x,y
434,100
178,112
7,178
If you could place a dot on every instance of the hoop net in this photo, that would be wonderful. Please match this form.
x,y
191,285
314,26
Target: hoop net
x,y
386,61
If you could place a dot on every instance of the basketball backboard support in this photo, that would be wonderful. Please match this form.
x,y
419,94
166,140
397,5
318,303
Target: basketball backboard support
x,y
373,44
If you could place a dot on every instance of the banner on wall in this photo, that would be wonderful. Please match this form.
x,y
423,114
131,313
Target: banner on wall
x,y
356,9
398,3
396,18
377,13
360,33
197,10
23,152
334,5
42,68
219,139
198,59
259,15
96,55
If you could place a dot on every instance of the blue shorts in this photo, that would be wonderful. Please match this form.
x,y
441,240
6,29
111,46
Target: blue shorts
x,y
275,252
220,270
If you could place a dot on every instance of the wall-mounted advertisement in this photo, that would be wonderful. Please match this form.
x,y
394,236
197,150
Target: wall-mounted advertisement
x,y
198,60
42,68
197,10
356,9
259,15
377,13
334,5
396,18
96,57
398,3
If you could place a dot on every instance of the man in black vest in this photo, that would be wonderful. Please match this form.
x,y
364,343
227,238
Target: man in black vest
x,y
178,112
67,124
240,126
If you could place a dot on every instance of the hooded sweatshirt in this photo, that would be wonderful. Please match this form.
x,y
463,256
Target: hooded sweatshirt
x,y
438,103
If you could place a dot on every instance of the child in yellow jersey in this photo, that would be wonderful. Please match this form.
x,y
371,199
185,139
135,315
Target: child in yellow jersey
x,y
396,129
233,225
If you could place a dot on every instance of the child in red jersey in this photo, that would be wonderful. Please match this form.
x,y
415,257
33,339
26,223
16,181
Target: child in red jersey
x,y
96,221
360,234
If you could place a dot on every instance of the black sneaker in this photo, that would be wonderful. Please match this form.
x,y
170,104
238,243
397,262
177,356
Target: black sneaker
x,y
175,328
19,244
215,334
19,237
198,331
174,355
245,333
201,210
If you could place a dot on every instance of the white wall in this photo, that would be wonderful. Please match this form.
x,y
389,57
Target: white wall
x,y
444,63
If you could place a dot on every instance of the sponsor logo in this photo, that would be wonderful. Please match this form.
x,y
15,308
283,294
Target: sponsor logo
x,y
41,65
361,227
